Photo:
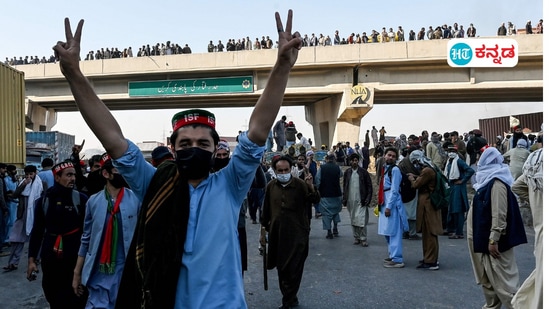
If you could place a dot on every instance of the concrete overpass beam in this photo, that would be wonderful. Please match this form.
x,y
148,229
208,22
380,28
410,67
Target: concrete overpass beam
x,y
38,118
337,118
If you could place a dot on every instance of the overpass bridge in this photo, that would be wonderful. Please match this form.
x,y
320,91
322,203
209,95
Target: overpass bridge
x,y
325,80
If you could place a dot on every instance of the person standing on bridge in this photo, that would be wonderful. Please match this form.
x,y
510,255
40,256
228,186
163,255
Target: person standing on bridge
x,y
172,267
374,136
279,133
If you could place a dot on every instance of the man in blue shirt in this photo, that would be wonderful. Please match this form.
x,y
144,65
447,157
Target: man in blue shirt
x,y
185,250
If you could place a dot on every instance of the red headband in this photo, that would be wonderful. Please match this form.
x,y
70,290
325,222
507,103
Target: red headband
x,y
104,159
191,119
193,116
61,166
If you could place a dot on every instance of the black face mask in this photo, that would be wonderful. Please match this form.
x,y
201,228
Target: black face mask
x,y
220,163
194,162
118,181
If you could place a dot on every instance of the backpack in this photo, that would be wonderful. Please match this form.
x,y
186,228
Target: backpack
x,y
407,193
440,197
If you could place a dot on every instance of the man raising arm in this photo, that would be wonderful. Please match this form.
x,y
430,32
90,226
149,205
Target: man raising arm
x,y
182,231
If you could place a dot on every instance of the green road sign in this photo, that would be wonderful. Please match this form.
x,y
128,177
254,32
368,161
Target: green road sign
x,y
179,87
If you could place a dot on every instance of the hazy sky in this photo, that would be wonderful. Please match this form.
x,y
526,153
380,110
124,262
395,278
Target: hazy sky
x,y
34,27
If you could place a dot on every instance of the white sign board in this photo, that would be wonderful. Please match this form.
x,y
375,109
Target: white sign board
x,y
482,53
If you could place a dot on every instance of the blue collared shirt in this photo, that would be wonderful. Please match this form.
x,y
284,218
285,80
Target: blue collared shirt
x,y
211,270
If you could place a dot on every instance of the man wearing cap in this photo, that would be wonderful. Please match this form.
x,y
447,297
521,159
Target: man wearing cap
x,y
28,191
160,154
458,174
109,223
192,259
357,194
517,136
290,133
55,236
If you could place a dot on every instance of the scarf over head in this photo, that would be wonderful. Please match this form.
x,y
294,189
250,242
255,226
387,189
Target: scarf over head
x,y
417,155
453,173
490,166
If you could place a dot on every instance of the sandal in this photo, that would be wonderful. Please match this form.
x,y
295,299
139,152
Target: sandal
x,y
364,243
10,267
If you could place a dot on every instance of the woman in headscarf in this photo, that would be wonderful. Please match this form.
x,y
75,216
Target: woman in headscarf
x,y
494,227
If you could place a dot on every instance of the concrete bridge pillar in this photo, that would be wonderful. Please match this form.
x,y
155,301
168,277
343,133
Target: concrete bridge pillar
x,y
38,118
337,118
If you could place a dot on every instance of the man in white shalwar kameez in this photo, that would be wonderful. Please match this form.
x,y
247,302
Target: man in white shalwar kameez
x,y
529,186
357,194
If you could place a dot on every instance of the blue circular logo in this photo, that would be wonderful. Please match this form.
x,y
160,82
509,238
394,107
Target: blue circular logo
x,y
461,54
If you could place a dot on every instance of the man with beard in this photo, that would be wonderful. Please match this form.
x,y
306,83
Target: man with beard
x,y
28,191
56,232
458,174
185,252
357,194
286,216
392,215
109,223
517,135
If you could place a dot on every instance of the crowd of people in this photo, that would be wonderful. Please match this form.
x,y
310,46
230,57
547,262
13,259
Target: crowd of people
x,y
150,234
159,49
474,170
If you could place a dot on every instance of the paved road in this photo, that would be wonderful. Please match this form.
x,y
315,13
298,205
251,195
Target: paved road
x,y
339,274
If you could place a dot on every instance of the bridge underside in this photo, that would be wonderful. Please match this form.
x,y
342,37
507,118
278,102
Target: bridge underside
x,y
401,96
321,81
